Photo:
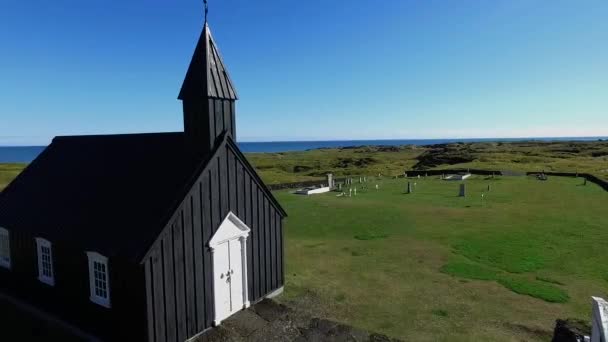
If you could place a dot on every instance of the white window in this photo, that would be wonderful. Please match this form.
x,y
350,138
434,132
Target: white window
x,y
99,279
5,248
45,261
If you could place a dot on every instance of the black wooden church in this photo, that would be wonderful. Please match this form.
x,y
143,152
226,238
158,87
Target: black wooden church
x,y
146,236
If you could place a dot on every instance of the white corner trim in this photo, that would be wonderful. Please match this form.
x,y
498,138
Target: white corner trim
x,y
243,241
276,292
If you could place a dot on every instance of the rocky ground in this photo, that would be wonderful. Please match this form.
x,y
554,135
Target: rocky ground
x,y
270,321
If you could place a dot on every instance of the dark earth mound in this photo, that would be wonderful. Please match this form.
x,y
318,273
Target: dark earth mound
x,y
444,154
354,162
301,168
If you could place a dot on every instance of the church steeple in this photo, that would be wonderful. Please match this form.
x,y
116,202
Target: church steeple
x,y
208,97
207,77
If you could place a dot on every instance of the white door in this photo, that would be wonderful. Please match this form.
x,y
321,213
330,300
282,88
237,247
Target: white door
x,y
228,273
236,275
229,253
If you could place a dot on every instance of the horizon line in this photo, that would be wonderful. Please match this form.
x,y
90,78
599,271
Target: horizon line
x,y
496,139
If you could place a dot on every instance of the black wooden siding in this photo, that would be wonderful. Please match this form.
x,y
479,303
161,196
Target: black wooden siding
x,y
178,269
69,298
206,120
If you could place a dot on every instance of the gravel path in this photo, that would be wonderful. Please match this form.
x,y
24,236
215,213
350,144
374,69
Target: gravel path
x,y
270,321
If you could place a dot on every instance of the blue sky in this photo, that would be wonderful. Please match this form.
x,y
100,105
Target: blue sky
x,y
309,70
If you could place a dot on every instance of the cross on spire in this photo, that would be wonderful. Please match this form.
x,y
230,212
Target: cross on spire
x,y
206,9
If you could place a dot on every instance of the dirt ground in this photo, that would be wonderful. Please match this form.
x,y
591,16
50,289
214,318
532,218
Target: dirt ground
x,y
270,321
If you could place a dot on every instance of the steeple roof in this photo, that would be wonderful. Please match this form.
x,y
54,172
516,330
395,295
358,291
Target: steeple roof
x,y
207,76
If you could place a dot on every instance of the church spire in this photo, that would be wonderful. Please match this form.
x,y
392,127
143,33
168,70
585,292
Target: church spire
x,y
207,76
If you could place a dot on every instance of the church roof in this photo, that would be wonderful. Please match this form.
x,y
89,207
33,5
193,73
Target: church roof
x,y
106,193
207,76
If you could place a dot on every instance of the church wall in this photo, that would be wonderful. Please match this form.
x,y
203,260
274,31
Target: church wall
x,y
178,269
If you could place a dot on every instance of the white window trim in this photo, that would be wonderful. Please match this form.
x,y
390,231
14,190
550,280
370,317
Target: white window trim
x,y
96,257
6,263
40,242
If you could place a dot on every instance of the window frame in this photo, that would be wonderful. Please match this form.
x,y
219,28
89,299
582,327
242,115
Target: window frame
x,y
95,257
44,243
5,234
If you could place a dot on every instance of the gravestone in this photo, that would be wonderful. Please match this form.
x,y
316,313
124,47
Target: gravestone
x,y
350,192
409,187
355,191
376,186
489,187
330,181
340,186
585,181
360,180
463,190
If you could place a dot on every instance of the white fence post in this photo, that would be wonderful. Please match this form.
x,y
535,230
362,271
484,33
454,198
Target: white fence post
x,y
599,330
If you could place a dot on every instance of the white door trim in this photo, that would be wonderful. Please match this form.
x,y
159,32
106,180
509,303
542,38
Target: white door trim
x,y
227,232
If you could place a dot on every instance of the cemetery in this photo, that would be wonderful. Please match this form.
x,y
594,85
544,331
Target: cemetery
x,y
425,263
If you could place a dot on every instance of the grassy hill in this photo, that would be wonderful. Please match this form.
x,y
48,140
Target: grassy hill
x,y
591,157
286,167
8,172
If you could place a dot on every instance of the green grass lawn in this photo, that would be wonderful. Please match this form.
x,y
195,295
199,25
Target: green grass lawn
x,y
431,266
8,172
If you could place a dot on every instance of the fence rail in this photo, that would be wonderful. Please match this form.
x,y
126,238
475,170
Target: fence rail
x,y
591,178
415,173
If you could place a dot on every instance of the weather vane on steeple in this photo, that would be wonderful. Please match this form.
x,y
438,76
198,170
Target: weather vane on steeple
x,y
206,10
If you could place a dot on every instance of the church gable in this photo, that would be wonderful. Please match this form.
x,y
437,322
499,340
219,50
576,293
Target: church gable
x,y
227,184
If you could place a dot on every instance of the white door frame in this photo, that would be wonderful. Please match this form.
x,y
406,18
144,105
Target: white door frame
x,y
227,232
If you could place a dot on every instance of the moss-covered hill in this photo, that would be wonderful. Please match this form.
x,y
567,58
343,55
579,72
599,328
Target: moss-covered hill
x,y
284,167
589,157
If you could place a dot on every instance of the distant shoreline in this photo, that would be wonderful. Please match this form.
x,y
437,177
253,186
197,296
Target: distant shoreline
x,y
25,154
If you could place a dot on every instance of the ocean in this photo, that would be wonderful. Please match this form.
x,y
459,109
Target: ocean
x,y
25,154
